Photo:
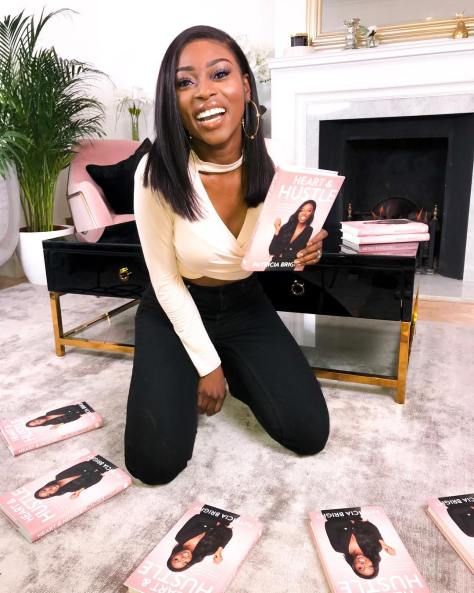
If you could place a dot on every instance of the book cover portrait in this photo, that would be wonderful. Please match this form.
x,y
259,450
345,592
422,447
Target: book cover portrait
x,y
294,211
454,516
361,552
48,426
202,552
40,506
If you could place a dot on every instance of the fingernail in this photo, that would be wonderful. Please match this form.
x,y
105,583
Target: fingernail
x,y
300,254
297,262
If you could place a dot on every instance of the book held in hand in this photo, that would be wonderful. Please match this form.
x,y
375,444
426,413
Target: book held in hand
x,y
45,427
40,506
361,552
202,552
295,208
454,517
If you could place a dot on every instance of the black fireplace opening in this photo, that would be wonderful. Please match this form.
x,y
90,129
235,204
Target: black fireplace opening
x,y
410,167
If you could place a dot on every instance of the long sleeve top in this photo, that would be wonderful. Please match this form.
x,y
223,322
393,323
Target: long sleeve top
x,y
175,247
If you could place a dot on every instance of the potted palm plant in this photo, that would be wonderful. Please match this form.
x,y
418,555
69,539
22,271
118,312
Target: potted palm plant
x,y
45,108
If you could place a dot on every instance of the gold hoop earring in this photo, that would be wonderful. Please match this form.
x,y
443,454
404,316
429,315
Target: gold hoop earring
x,y
257,113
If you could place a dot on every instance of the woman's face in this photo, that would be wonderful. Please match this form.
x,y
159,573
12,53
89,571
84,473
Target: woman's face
x,y
362,565
48,490
305,212
37,421
181,559
211,93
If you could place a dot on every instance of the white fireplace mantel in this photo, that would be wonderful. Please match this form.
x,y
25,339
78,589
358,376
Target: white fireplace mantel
x,y
393,80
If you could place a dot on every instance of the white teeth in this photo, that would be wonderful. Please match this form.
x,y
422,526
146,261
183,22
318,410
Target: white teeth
x,y
210,113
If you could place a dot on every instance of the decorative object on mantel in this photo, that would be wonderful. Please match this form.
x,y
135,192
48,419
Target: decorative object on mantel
x,y
299,39
460,32
46,101
418,28
371,36
134,101
351,33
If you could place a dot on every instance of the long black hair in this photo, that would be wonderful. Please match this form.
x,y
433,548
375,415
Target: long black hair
x,y
167,166
293,220
59,492
368,540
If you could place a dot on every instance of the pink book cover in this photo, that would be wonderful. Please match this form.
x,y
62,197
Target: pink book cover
x,y
295,209
202,552
352,240
383,226
361,552
380,249
372,247
48,426
454,516
44,504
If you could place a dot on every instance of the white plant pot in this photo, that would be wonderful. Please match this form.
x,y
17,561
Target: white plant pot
x,y
30,252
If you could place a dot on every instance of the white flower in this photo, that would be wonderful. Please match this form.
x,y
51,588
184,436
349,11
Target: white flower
x,y
257,57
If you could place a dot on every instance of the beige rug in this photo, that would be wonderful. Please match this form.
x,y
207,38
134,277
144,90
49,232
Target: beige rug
x,y
378,453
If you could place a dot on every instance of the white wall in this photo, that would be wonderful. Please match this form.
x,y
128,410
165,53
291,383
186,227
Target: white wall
x,y
127,39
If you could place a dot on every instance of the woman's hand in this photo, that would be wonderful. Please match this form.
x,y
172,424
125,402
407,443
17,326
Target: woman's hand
x,y
387,548
211,392
218,556
277,225
313,251
76,493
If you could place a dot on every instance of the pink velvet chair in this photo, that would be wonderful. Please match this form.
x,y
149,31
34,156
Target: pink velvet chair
x,y
90,211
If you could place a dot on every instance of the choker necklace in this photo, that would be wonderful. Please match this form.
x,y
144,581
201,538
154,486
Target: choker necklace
x,y
206,167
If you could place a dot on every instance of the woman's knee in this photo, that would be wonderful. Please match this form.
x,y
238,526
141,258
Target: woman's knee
x,y
154,474
310,433
310,441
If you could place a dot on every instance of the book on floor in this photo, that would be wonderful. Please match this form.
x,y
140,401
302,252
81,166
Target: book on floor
x,y
201,552
295,208
454,517
43,427
42,505
361,552
383,226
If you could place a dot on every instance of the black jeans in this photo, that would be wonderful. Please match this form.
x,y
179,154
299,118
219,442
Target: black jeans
x,y
263,365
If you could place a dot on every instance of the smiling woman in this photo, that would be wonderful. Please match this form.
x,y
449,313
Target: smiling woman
x,y
204,323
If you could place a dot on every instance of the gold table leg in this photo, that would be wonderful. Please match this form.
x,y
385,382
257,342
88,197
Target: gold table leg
x,y
62,339
397,382
57,322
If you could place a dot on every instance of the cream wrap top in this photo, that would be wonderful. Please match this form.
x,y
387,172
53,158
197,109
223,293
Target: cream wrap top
x,y
175,247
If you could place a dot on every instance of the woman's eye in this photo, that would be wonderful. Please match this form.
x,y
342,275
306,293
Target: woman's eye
x,y
222,73
182,83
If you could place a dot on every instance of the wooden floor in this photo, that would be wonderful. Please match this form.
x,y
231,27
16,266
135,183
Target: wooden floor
x,y
428,310
447,311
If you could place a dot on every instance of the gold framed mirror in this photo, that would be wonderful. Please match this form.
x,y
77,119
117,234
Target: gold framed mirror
x,y
325,19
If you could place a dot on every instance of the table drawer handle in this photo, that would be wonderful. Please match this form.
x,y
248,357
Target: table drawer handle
x,y
297,288
124,274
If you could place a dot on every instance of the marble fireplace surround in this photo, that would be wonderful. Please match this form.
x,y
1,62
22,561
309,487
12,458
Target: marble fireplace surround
x,y
395,80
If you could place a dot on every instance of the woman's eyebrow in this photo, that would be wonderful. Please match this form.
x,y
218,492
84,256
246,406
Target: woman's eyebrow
x,y
208,65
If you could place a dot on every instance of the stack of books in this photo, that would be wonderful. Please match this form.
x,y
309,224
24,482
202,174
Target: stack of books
x,y
398,236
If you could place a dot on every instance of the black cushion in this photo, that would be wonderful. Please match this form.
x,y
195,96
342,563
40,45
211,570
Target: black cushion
x,y
116,180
